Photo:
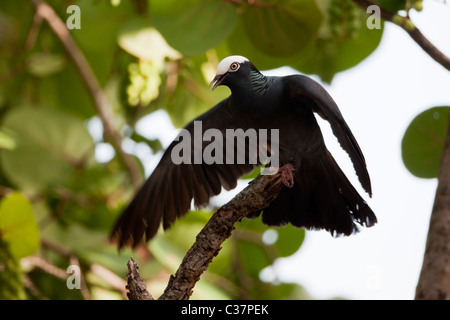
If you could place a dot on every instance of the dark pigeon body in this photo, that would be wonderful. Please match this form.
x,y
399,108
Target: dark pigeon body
x,y
321,196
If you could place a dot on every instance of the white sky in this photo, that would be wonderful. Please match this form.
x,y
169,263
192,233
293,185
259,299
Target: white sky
x,y
378,99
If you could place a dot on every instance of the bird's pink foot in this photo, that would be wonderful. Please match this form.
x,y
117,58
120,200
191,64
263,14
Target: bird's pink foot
x,y
286,175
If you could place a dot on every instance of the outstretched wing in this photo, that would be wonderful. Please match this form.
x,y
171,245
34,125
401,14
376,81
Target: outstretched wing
x,y
305,89
168,192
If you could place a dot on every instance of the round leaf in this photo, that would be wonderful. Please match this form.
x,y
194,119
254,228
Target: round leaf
x,y
253,257
192,27
289,240
50,145
263,61
43,64
66,92
343,41
281,29
97,38
424,140
139,39
18,226
6,140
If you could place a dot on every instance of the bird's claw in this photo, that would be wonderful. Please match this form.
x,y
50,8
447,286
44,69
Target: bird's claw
x,y
286,175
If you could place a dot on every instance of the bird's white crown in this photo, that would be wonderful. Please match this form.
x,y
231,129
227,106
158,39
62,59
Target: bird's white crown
x,y
224,65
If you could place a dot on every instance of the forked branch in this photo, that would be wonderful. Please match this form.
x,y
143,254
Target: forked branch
x,y
256,196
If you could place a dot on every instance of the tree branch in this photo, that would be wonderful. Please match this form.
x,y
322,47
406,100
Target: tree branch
x,y
136,285
434,280
102,104
256,196
415,34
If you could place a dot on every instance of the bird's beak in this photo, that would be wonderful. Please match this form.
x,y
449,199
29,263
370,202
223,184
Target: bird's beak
x,y
217,81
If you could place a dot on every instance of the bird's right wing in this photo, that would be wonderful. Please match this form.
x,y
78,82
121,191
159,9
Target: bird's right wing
x,y
317,98
168,192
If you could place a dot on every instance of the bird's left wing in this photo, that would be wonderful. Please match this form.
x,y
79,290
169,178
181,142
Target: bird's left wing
x,y
311,93
168,192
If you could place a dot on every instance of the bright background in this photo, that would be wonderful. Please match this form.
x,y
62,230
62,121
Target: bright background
x,y
378,99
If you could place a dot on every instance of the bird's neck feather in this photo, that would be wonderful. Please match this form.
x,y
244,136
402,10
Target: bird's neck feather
x,y
253,89
254,98
258,82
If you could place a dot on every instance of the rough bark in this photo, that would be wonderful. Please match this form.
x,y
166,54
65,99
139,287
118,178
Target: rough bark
x,y
256,196
434,280
137,290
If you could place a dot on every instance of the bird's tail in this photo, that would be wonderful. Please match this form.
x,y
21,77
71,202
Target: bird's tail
x,y
321,198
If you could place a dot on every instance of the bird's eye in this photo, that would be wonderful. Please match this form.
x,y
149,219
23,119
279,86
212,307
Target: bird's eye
x,y
234,66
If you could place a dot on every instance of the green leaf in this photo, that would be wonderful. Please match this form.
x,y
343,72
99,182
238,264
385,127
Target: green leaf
x,y
65,91
190,95
193,26
392,5
18,225
208,290
43,64
97,38
424,140
11,286
281,28
51,145
154,144
289,240
7,140
252,257
252,175
100,23
344,40
139,39
170,247
281,291
236,45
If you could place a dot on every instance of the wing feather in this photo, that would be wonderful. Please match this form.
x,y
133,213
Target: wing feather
x,y
302,87
168,192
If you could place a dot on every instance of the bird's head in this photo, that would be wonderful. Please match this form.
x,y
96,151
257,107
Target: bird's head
x,y
233,71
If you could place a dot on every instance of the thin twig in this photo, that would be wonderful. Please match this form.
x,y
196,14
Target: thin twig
x,y
34,31
112,279
46,266
73,260
414,33
102,104
109,277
